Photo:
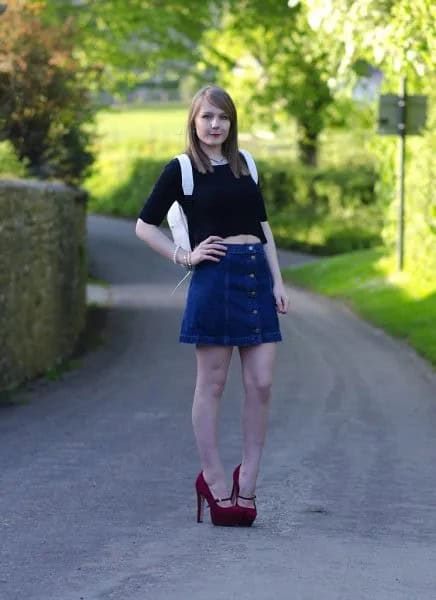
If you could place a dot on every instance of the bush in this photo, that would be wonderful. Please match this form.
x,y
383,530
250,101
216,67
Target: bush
x,y
44,102
317,189
126,196
325,235
322,210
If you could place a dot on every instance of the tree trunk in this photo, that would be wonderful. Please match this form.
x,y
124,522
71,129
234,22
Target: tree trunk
x,y
308,148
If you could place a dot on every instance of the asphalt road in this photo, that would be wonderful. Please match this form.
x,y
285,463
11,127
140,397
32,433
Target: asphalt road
x,y
97,470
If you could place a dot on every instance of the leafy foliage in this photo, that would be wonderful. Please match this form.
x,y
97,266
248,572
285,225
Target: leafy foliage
x,y
324,210
132,40
10,166
273,60
44,99
400,37
397,34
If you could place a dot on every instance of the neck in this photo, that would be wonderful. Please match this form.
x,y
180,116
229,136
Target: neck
x,y
214,152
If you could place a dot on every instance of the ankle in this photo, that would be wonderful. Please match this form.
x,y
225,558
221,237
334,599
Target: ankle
x,y
214,477
247,482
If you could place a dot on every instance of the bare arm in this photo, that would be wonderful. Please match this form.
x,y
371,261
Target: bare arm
x,y
209,249
280,295
156,239
271,253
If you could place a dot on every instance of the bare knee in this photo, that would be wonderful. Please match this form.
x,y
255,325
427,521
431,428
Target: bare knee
x,y
212,367
211,389
211,383
259,386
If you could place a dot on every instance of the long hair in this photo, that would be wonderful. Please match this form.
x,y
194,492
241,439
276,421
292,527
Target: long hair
x,y
221,99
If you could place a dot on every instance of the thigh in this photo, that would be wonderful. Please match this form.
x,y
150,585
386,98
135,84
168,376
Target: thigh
x,y
257,362
212,362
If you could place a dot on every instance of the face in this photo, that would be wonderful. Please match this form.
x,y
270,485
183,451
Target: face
x,y
212,125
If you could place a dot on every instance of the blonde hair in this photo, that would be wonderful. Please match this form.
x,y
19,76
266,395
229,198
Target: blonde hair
x,y
221,99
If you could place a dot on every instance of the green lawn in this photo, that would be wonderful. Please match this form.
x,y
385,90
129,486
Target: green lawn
x,y
367,281
156,122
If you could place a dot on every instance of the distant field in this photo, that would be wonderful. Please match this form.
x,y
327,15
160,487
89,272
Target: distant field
x,y
163,122
163,127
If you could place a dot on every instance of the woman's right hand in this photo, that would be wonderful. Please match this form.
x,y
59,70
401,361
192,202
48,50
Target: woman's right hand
x,y
208,249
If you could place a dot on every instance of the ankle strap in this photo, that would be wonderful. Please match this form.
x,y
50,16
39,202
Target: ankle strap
x,y
221,499
245,498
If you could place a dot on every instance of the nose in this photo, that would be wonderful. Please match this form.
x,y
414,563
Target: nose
x,y
214,122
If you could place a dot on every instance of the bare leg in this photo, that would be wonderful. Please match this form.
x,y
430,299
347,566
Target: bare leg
x,y
257,364
212,367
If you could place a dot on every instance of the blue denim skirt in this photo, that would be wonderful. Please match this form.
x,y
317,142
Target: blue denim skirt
x,y
231,303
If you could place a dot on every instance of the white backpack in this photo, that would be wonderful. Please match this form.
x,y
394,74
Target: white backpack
x,y
176,217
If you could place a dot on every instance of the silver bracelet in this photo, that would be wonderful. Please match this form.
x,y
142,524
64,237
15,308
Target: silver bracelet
x,y
175,254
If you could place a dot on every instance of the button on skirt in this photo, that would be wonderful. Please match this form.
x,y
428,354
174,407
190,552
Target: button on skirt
x,y
231,303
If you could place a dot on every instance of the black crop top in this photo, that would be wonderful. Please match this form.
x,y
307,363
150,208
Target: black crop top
x,y
221,204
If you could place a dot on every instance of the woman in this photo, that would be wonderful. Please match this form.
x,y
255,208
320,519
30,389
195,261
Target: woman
x,y
234,296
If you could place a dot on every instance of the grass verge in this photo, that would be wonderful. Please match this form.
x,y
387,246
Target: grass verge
x,y
367,280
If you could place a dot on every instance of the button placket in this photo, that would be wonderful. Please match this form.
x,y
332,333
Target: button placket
x,y
253,305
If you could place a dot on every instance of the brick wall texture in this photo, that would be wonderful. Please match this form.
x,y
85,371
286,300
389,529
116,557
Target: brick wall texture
x,y
42,276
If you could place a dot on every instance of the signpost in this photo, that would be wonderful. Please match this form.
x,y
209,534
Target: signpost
x,y
401,115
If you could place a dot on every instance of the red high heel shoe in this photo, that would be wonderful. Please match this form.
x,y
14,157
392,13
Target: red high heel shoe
x,y
222,516
247,515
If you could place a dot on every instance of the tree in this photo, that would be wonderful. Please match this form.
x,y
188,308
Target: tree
x,y
267,53
399,36
44,99
130,40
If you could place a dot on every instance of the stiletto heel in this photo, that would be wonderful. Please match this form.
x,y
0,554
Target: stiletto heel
x,y
247,515
200,507
220,515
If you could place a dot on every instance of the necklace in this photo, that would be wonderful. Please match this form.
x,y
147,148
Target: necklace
x,y
218,161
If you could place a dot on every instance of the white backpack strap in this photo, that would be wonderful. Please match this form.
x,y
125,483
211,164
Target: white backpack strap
x,y
250,164
187,176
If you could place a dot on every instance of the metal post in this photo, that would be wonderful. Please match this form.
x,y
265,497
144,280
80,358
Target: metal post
x,y
402,99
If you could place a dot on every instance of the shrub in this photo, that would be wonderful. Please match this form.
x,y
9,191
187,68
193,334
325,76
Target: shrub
x,y
317,189
322,210
44,102
127,196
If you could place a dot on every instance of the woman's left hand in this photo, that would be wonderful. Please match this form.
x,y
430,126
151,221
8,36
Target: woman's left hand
x,y
282,300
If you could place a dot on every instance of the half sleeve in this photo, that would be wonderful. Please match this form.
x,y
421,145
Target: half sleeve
x,y
260,205
167,190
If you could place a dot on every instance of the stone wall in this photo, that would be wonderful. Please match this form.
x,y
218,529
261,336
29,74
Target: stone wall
x,y
42,276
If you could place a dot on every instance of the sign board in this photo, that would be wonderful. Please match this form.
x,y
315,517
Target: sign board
x,y
390,113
